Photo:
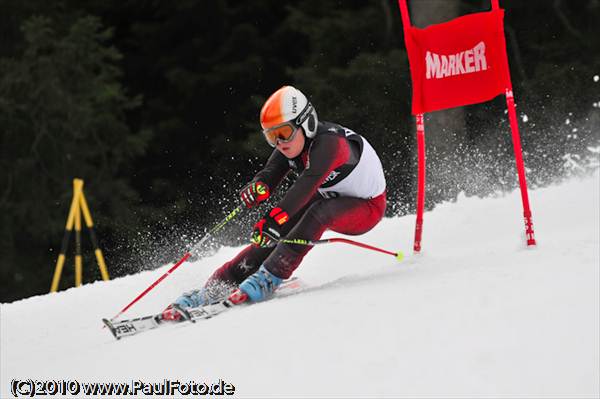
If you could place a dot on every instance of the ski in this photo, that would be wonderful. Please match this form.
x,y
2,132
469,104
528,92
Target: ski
x,y
125,328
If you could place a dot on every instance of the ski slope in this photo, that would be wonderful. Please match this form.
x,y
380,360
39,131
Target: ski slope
x,y
475,315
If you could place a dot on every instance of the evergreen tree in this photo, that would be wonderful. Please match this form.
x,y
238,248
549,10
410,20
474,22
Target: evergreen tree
x,y
62,112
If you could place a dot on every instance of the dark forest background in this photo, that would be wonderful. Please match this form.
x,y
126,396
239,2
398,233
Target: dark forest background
x,y
155,105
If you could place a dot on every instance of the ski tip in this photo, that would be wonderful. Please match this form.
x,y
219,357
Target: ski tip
x,y
110,326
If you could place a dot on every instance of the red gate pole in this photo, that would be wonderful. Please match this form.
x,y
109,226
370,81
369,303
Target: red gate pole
x,y
514,127
405,16
420,146
516,139
420,183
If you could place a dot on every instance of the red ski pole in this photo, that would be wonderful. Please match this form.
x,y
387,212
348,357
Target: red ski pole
x,y
185,257
398,255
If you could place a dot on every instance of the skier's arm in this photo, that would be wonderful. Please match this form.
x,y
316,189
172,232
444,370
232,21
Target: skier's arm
x,y
326,153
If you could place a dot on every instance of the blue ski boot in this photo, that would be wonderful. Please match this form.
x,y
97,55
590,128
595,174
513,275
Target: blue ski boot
x,y
213,292
260,285
189,299
193,299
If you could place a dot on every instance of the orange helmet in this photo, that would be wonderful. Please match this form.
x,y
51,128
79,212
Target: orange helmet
x,y
289,106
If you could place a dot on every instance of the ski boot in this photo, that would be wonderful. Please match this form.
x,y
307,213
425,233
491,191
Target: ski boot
x,y
190,299
260,285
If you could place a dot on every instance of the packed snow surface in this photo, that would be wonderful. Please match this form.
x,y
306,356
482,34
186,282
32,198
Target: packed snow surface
x,y
476,314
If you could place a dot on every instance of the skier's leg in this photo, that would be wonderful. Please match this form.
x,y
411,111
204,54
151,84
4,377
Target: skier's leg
x,y
252,257
224,280
344,215
241,266
227,277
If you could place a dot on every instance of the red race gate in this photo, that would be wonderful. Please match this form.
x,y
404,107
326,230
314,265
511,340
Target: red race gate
x,y
456,63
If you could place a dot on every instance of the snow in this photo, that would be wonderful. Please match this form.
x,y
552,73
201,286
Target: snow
x,y
477,314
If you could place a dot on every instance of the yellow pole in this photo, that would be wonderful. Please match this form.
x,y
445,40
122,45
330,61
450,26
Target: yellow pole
x,y
57,272
78,207
90,224
77,186
65,243
102,264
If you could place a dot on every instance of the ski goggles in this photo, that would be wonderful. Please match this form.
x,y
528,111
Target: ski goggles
x,y
283,133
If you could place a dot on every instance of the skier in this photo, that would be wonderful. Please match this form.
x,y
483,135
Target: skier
x,y
340,186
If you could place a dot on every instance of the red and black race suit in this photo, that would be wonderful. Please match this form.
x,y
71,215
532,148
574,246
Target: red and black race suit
x,y
340,187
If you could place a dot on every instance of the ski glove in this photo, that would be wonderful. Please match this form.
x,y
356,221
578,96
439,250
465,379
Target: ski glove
x,y
267,231
254,193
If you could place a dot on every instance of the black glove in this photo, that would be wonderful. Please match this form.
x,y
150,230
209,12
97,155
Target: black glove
x,y
267,231
254,193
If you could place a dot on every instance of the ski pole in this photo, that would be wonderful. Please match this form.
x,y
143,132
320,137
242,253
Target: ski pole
x,y
185,257
398,255
215,229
